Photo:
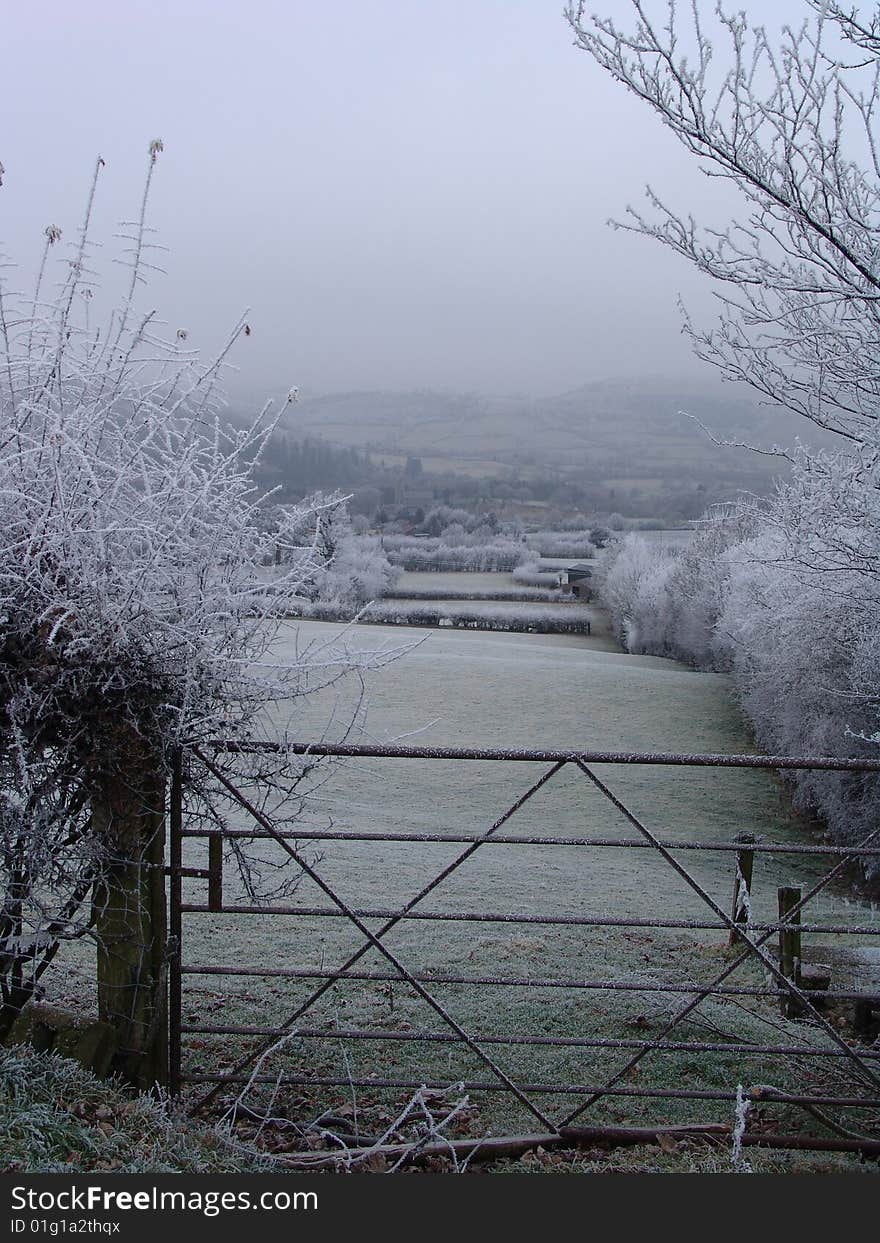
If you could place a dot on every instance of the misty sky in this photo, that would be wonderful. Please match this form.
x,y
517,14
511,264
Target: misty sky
x,y
406,193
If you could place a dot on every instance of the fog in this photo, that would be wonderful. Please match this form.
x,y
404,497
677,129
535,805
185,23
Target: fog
x,y
404,193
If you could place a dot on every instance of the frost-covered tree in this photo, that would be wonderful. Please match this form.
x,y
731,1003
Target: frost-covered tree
x,y
133,610
791,123
788,596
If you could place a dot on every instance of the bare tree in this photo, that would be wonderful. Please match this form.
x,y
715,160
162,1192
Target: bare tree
x,y
791,124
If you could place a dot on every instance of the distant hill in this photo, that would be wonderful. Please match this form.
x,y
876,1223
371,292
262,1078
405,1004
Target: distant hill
x,y
643,423
626,430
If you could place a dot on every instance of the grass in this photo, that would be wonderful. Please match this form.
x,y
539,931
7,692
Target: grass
x,y
56,1117
686,1157
491,690
511,690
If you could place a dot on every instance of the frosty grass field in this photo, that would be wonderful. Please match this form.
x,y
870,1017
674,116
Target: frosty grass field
x,y
513,690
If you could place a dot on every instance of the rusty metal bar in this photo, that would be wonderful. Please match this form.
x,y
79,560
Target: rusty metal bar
x,y
509,839
440,977
762,1095
549,756
563,1042
498,917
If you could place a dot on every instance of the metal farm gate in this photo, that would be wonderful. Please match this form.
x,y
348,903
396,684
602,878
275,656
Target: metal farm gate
x,y
728,1034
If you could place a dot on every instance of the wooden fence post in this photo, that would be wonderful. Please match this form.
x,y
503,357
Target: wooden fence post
x,y
742,885
215,872
130,921
790,946
175,922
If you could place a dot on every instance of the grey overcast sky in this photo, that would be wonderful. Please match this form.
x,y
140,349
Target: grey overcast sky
x,y
405,193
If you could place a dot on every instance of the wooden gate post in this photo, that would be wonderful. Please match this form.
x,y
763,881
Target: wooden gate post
x,y
130,920
175,922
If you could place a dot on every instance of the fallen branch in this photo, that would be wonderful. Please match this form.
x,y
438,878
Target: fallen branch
x,y
493,1148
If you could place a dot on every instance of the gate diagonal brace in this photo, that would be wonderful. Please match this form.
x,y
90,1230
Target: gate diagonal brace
x,y
373,939
753,949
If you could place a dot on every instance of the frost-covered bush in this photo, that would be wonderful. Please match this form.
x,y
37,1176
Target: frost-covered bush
x,y
576,546
456,550
515,595
442,516
537,618
132,615
665,600
631,577
530,574
345,568
786,597
442,519
801,629
457,541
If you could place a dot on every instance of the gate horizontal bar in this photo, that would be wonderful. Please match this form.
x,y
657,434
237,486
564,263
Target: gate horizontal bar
x,y
490,917
628,986
553,755
546,1089
510,839
578,1042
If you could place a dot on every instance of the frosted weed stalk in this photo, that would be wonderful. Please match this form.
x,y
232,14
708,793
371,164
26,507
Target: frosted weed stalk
x,y
737,1160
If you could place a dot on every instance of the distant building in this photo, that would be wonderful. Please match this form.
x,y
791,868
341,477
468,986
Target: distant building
x,y
577,580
